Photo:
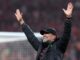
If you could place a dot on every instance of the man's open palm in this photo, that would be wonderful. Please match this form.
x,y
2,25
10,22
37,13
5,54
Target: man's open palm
x,y
18,15
68,11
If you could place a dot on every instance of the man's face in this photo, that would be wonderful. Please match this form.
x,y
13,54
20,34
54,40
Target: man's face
x,y
48,37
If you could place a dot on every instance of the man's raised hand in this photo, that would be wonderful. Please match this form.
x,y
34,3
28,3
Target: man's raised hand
x,y
18,15
69,10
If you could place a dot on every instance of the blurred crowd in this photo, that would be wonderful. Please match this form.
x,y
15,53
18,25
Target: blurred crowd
x,y
38,14
17,51
22,50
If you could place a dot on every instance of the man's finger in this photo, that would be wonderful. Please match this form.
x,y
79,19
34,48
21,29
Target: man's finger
x,y
70,6
15,13
18,11
63,9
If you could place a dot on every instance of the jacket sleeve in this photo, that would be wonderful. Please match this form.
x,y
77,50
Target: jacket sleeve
x,y
30,36
63,42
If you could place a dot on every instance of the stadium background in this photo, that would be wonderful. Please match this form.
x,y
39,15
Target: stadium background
x,y
38,14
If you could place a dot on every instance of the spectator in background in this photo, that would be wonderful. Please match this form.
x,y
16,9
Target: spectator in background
x,y
77,50
74,53
5,54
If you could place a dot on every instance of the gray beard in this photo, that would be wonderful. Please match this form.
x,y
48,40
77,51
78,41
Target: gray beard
x,y
44,40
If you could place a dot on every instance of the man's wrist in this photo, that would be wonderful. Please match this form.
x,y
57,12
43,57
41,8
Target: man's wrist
x,y
21,21
68,16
